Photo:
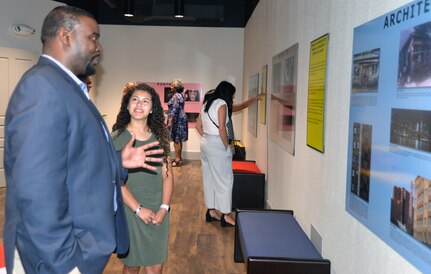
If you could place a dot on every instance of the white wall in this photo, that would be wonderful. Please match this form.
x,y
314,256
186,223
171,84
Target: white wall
x,y
26,12
29,13
143,53
311,183
147,53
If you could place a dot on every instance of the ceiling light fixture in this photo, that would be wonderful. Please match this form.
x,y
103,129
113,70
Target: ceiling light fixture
x,y
179,9
129,6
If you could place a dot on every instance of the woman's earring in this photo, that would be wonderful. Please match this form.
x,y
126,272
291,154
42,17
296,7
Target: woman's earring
x,y
151,111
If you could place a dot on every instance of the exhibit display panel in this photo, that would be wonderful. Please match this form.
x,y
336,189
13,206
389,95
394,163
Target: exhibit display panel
x,y
283,98
193,96
253,86
263,87
316,93
389,148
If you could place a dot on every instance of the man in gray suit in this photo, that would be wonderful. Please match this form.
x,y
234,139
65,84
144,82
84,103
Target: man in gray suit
x,y
64,210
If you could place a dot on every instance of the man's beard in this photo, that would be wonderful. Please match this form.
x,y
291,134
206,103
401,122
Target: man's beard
x,y
90,69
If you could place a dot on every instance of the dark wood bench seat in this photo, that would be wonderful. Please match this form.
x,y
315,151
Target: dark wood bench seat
x,y
271,241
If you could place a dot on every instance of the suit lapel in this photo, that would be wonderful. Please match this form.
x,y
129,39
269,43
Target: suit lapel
x,y
102,125
78,90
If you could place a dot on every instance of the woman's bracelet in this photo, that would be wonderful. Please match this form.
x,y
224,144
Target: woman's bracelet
x,y
137,210
165,206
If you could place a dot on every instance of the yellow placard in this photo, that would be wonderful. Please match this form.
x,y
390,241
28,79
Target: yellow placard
x,y
316,93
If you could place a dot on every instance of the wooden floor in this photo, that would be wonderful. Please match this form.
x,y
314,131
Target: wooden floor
x,y
194,245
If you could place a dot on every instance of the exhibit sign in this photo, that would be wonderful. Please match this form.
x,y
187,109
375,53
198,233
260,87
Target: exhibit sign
x,y
316,93
389,148
263,87
253,87
283,98
193,98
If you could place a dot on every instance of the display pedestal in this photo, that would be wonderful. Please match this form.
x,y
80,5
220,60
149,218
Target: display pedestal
x,y
248,185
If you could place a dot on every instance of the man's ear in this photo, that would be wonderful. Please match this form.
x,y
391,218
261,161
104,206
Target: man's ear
x,y
64,35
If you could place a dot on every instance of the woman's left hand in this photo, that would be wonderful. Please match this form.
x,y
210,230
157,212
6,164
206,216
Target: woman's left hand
x,y
160,216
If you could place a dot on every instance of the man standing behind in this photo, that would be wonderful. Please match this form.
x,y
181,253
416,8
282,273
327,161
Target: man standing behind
x,y
86,79
64,210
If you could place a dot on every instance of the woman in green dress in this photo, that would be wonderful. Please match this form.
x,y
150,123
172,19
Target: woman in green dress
x,y
146,193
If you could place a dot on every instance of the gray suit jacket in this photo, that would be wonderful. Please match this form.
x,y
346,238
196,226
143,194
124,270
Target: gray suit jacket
x,y
61,171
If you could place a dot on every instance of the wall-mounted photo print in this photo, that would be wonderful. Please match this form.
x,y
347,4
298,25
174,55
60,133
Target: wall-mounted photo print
x,y
263,89
411,128
402,209
361,160
283,98
411,209
422,211
253,88
192,95
167,94
414,64
365,71
390,131
192,98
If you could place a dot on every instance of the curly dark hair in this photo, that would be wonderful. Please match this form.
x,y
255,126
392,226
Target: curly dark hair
x,y
156,119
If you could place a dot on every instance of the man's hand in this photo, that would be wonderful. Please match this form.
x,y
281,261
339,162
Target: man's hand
x,y
134,157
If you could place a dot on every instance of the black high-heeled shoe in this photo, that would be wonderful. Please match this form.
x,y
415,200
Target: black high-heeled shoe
x,y
223,222
209,218
176,163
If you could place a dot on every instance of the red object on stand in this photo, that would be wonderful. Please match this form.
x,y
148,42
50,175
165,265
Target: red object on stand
x,y
245,167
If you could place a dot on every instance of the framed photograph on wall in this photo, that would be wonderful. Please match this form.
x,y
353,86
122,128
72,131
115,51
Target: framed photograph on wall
x,y
253,87
263,88
283,98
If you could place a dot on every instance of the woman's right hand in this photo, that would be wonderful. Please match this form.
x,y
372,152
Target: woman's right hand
x,y
146,215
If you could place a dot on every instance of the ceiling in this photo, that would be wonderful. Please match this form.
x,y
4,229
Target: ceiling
x,y
197,13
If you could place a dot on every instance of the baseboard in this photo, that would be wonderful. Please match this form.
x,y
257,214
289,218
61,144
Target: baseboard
x,y
189,155
268,205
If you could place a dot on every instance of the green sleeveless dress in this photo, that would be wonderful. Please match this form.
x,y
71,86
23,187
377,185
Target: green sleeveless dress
x,y
148,242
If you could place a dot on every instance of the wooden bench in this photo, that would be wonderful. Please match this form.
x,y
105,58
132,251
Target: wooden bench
x,y
271,241
248,185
